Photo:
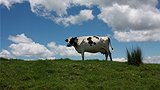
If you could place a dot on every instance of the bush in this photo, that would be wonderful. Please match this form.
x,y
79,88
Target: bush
x,y
134,56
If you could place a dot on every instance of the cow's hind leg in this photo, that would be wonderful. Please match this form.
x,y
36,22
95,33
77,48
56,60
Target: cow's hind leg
x,y
110,55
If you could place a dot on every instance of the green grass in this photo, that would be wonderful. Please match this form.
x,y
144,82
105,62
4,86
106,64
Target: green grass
x,y
77,75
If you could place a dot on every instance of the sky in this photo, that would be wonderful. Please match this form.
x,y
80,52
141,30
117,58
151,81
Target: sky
x,y
37,29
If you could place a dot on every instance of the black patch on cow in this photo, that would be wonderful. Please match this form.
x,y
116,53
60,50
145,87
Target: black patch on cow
x,y
89,38
72,41
90,41
66,40
96,37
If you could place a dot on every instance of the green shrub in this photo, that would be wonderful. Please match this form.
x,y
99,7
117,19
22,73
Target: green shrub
x,y
134,56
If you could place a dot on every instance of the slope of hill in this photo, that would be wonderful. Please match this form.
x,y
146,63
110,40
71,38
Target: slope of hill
x,y
73,75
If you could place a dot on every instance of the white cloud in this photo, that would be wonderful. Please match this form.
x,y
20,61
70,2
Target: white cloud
x,y
152,59
9,3
123,17
84,15
149,59
30,50
26,47
6,54
87,3
134,35
62,50
120,59
132,24
132,3
20,39
46,7
59,6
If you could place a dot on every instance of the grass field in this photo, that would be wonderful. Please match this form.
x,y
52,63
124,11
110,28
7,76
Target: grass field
x,y
77,75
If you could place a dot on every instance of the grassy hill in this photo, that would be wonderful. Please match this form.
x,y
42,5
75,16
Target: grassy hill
x,y
77,75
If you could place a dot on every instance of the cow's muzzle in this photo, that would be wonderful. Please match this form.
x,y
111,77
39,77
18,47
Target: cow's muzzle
x,y
69,45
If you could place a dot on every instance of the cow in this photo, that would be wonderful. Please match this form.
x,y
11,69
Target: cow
x,y
91,44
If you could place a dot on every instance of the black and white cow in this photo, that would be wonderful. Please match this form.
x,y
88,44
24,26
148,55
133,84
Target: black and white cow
x,y
92,44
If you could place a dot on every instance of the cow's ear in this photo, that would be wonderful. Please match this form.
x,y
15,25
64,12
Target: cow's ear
x,y
66,40
75,37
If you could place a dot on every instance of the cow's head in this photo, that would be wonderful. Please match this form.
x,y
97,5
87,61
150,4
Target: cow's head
x,y
72,41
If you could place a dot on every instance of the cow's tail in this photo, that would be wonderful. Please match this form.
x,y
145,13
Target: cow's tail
x,y
109,42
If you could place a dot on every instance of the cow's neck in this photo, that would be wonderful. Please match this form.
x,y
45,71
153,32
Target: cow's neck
x,y
78,49
75,45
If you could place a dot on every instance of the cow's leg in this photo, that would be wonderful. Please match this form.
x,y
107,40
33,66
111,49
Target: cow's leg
x,y
82,54
110,55
106,54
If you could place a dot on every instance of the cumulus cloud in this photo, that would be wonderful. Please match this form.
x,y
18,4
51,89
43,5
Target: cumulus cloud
x,y
30,49
26,47
147,59
46,8
84,15
58,6
62,50
6,54
132,24
123,17
120,59
20,39
152,59
9,3
132,3
133,35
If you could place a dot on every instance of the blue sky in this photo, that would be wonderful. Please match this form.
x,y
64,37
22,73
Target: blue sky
x,y
123,22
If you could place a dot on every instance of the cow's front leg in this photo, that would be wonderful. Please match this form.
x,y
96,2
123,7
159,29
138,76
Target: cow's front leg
x,y
82,54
